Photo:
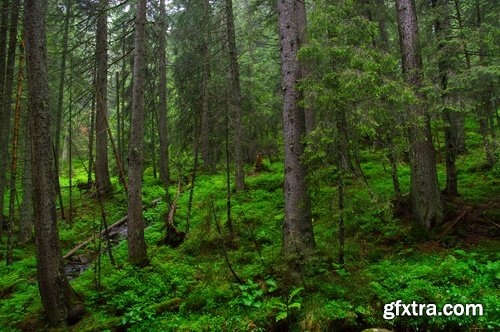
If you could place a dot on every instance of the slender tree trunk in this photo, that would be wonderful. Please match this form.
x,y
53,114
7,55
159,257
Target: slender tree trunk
x,y
162,93
309,115
425,196
451,132
70,144
26,211
462,35
344,144
59,111
484,110
118,116
394,168
54,287
341,231
5,110
91,141
229,222
122,88
191,191
9,81
101,161
13,168
205,103
235,99
298,238
62,78
153,142
136,243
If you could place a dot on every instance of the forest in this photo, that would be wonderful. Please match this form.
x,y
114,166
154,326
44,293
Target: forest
x,y
249,165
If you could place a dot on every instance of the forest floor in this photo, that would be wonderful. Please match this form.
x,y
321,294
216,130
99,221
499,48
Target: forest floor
x,y
191,288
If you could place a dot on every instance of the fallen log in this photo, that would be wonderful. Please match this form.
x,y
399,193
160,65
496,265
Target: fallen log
x,y
103,232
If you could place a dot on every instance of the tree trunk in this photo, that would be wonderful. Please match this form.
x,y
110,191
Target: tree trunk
x,y
136,244
298,238
235,99
425,196
62,78
70,144
91,141
162,92
9,78
26,211
484,111
309,115
13,168
119,116
393,160
101,160
54,287
451,131
5,110
205,103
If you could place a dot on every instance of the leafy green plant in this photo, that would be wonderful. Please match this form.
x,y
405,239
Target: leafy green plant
x,y
292,304
251,295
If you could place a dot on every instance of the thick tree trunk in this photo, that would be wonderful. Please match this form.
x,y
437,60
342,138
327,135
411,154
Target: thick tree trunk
x,y
101,160
425,196
136,243
298,238
5,111
235,99
53,284
162,92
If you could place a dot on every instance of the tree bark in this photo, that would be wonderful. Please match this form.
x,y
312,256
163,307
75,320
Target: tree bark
x,y
205,103
136,243
5,110
9,78
101,160
425,196
451,131
309,115
26,211
54,287
62,79
235,99
162,92
13,168
298,238
91,141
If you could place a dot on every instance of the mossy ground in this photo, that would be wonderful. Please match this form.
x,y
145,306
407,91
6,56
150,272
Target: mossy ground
x,y
384,261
